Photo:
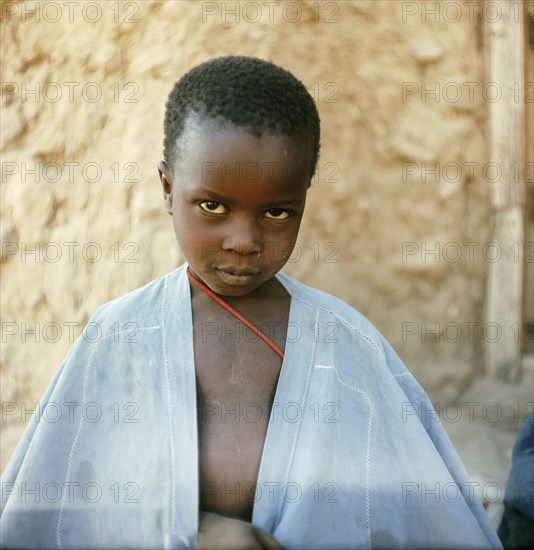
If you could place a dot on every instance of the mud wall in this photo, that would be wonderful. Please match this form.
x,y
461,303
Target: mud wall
x,y
399,191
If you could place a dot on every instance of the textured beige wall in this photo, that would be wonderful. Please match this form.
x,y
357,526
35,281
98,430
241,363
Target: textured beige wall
x,y
356,53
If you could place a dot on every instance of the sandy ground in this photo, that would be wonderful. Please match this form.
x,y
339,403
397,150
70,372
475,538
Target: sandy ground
x,y
483,427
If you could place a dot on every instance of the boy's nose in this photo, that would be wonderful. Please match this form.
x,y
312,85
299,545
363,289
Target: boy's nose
x,y
244,240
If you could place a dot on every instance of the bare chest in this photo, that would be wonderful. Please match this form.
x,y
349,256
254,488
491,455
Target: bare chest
x,y
237,376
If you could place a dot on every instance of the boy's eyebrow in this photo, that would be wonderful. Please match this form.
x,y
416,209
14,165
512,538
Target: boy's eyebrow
x,y
221,198
286,202
213,194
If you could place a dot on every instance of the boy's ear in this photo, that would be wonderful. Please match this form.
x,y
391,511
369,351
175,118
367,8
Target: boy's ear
x,y
165,177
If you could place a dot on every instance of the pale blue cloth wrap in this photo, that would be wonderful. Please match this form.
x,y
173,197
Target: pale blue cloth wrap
x,y
354,456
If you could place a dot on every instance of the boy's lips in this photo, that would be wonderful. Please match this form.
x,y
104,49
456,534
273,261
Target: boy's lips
x,y
237,270
237,276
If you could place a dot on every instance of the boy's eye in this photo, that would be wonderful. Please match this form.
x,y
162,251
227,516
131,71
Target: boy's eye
x,y
277,214
213,207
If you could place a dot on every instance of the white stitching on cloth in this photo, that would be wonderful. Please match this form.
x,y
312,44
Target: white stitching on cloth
x,y
170,412
78,431
169,402
345,322
169,406
303,401
75,440
368,451
129,332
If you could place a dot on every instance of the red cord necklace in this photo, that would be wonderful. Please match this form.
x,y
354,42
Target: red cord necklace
x,y
235,313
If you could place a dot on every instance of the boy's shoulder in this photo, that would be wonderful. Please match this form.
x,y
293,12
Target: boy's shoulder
x,y
143,305
329,304
361,336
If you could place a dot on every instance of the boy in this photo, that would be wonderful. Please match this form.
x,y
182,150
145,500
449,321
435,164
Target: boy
x,y
253,399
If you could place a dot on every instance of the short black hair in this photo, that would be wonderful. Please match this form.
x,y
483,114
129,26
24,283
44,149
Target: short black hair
x,y
248,92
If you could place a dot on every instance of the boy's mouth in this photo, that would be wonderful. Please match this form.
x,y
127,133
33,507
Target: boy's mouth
x,y
235,275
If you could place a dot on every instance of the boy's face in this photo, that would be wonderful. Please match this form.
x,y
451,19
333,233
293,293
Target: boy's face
x,y
237,203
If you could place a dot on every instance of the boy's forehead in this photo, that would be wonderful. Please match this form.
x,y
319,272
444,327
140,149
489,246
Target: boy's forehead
x,y
202,135
206,139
